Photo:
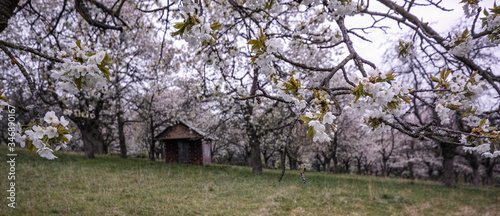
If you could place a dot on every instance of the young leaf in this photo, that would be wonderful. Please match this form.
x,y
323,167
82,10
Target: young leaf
x,y
310,133
465,33
481,123
215,26
406,98
447,74
305,119
78,43
179,25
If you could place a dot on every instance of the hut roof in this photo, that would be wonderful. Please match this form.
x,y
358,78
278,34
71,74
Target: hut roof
x,y
180,130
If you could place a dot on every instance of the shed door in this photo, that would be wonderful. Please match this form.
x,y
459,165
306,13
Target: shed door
x,y
183,152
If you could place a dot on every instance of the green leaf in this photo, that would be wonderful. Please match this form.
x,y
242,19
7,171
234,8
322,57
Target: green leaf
x,y
105,60
358,95
465,33
481,123
441,74
254,57
466,113
305,119
175,33
310,133
215,26
392,105
64,138
179,25
78,83
469,94
78,43
435,79
447,74
453,107
253,42
105,72
4,99
31,147
406,98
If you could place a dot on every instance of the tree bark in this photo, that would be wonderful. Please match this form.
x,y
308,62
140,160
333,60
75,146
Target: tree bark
x,y
255,158
448,152
489,165
7,8
474,164
121,135
347,165
334,154
91,136
152,144
119,119
411,171
292,163
101,147
358,164
384,167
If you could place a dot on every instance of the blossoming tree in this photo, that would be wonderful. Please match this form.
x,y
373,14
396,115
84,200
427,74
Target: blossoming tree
x,y
302,53
290,42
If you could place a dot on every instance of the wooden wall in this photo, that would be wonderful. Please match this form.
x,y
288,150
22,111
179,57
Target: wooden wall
x,y
196,151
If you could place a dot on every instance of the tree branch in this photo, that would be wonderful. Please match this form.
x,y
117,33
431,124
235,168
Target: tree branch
x,y
84,12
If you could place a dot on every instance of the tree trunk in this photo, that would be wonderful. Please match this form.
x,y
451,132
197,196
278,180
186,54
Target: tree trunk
x,y
7,8
121,136
384,166
430,170
101,147
358,161
255,158
489,171
282,159
267,159
152,144
292,163
347,166
334,155
411,171
474,164
91,136
448,152
119,119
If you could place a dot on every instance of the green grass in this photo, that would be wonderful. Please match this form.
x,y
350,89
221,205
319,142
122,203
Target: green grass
x,y
110,185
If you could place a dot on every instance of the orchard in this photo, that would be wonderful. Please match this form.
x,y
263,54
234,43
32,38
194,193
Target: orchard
x,y
279,76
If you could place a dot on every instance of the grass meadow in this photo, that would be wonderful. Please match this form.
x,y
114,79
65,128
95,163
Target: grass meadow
x,y
110,185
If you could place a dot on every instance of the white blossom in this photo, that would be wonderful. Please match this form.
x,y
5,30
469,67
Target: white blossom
x,y
46,153
64,122
39,132
51,118
463,139
38,143
483,148
51,132
328,118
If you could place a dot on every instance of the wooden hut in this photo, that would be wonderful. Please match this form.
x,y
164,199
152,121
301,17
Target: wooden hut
x,y
184,144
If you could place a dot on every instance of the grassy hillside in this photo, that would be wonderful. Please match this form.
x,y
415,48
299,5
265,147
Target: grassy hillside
x,y
110,185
